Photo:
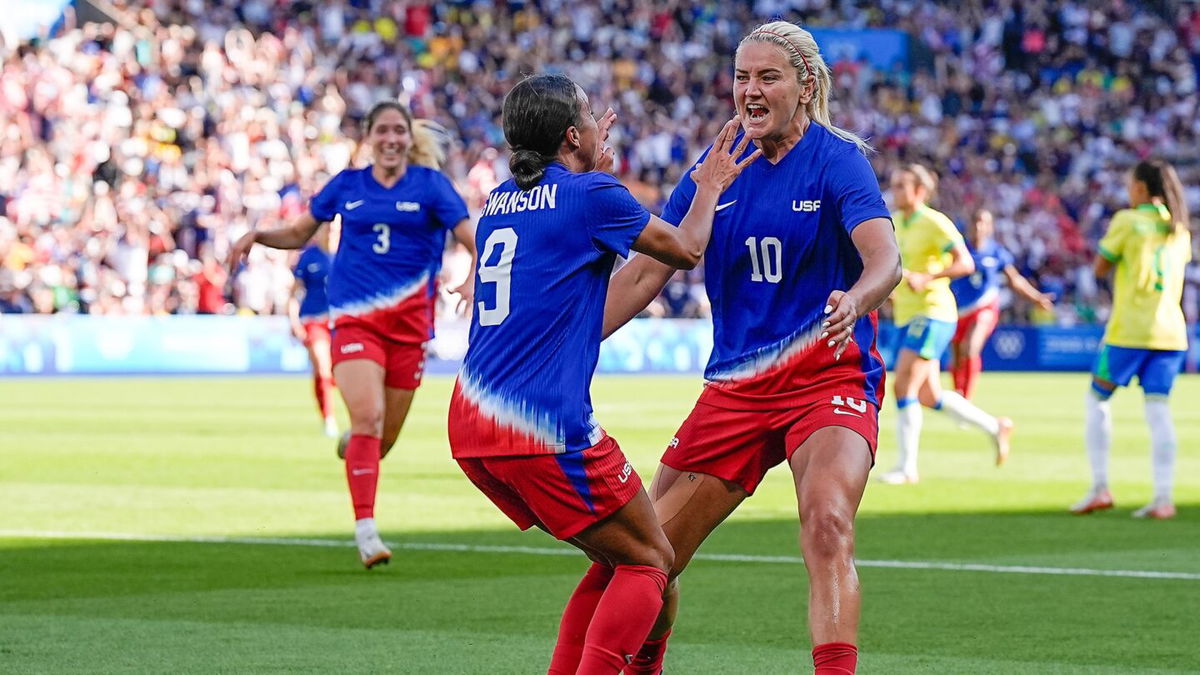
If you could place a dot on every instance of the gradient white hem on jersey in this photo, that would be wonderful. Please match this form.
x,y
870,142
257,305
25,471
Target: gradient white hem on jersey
x,y
539,426
768,358
323,317
989,296
381,301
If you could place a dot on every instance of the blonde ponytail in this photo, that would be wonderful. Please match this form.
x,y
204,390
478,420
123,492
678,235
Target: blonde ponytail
x,y
805,57
431,144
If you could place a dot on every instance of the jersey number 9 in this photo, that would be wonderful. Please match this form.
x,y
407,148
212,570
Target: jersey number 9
x,y
500,274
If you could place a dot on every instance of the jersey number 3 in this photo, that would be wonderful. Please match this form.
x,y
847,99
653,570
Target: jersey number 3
x,y
499,273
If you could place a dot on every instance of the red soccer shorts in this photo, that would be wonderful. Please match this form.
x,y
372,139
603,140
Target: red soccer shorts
x,y
988,316
403,362
742,445
315,331
565,493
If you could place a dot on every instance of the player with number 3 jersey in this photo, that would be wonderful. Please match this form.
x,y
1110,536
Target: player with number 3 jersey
x,y
802,253
394,219
521,423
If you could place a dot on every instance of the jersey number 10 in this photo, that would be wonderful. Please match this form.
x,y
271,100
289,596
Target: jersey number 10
x,y
769,265
500,274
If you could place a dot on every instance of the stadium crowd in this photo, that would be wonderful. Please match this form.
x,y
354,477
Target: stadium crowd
x,y
134,153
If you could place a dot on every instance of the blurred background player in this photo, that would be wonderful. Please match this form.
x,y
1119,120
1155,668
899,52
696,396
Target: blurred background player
x,y
978,298
394,218
521,423
933,253
1148,245
308,310
802,253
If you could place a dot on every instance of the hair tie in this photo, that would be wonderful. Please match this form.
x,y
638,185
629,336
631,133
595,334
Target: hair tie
x,y
793,45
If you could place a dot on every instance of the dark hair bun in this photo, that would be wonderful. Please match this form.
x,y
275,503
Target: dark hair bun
x,y
528,167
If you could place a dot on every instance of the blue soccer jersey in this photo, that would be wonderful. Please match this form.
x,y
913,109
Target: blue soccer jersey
x,y
390,249
780,245
312,270
546,255
982,287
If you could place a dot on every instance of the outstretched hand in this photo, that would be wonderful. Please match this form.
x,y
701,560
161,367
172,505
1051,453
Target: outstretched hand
x,y
240,250
721,167
837,330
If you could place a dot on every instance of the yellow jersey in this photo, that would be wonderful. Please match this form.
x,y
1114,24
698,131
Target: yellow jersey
x,y
926,239
1148,284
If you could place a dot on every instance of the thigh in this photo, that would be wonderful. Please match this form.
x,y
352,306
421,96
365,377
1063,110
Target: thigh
x,y
690,505
317,339
1158,371
505,498
629,535
360,382
734,445
829,471
984,324
909,373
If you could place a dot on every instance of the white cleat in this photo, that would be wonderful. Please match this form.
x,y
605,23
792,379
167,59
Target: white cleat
x,y
1095,500
898,477
1156,510
1003,439
330,428
371,549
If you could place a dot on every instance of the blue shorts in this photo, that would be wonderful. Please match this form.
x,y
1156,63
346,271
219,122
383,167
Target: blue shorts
x,y
927,337
1155,368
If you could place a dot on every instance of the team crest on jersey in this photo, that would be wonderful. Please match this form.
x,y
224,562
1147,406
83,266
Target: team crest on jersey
x,y
408,207
806,205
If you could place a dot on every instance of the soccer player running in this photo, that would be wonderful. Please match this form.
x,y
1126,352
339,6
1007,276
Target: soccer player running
x,y
521,423
394,218
978,298
1148,245
308,311
802,253
932,253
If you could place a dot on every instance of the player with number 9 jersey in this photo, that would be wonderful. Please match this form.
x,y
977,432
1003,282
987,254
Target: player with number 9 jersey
x,y
521,424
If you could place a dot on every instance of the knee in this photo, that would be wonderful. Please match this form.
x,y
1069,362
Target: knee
x,y
662,556
927,399
367,419
827,534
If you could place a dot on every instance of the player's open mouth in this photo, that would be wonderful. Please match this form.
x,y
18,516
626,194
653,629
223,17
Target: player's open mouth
x,y
755,112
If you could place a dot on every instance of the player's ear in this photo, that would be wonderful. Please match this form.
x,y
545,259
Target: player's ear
x,y
572,138
807,91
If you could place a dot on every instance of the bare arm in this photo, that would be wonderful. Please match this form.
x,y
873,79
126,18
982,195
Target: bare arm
x,y
293,309
465,235
961,264
1103,267
633,288
876,243
294,235
1025,289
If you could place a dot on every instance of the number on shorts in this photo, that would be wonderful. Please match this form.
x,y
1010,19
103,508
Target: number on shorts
x,y
384,242
499,274
768,265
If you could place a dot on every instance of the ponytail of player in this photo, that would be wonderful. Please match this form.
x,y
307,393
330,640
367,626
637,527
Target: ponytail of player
x,y
537,113
805,57
1165,189
431,144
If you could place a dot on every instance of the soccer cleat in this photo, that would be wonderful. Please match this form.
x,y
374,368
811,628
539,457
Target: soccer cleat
x,y
1157,510
1096,500
331,430
343,441
1002,439
898,477
372,550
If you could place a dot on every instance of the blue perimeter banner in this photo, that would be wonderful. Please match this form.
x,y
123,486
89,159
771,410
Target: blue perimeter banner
x,y
96,345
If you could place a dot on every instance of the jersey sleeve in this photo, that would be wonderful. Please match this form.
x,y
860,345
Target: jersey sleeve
x,y
323,205
1113,242
1005,257
449,207
946,236
614,217
855,190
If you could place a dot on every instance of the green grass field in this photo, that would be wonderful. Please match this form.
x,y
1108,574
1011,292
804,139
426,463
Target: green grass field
x,y
202,525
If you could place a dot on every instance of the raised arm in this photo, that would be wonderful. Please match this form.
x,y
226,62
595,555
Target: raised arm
x,y
876,244
631,289
294,235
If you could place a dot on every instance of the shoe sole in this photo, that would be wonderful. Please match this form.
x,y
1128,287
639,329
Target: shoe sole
x,y
377,559
1090,508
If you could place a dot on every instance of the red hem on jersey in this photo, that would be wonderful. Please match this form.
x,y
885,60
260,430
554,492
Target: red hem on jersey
x,y
316,330
403,363
565,493
740,446
988,315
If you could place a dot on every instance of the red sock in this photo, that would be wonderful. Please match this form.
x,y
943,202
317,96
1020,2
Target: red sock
x,y
572,631
835,658
362,472
649,659
323,388
623,619
958,373
973,369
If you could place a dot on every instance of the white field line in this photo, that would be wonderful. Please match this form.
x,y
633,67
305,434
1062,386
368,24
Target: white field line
x,y
566,551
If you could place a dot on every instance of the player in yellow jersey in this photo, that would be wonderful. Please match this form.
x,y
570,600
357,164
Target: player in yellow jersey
x,y
1148,245
932,252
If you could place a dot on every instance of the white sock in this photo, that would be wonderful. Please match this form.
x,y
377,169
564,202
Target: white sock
x,y
1098,437
364,527
964,411
908,436
1162,444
